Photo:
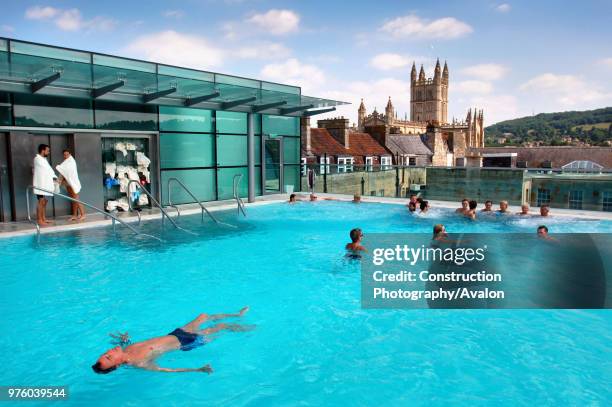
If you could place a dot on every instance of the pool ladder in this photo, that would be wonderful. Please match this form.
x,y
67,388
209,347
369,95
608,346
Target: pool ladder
x,y
202,207
239,201
155,202
90,206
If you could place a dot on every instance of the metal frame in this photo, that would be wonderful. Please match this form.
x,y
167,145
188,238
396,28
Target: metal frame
x,y
236,195
113,217
163,211
170,204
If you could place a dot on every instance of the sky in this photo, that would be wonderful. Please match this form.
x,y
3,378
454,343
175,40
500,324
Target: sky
x,y
510,58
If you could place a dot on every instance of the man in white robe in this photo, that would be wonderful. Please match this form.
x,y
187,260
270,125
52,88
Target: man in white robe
x,y
44,177
70,180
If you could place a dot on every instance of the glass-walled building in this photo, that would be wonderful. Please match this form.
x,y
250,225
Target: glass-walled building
x,y
126,119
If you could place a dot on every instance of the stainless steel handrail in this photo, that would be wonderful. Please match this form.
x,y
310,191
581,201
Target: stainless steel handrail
x,y
236,197
103,212
170,204
163,211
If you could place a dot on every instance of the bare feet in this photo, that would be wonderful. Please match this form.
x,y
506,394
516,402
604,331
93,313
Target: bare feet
x,y
243,311
82,218
72,219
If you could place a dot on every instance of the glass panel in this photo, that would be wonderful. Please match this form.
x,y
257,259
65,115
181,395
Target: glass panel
x,y
200,182
180,150
52,111
291,176
291,150
136,81
233,80
5,109
231,150
281,125
185,119
3,45
258,180
33,68
123,63
272,156
125,116
231,122
4,65
50,52
257,123
277,87
225,177
257,150
185,73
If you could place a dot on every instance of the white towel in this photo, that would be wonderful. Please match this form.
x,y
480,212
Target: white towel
x,y
120,146
68,169
142,160
43,176
110,168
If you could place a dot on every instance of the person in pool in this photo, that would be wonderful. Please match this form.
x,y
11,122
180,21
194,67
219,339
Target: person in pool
x,y
439,232
488,207
503,208
412,206
544,210
356,198
355,246
424,206
543,233
465,207
143,354
524,210
472,210
314,198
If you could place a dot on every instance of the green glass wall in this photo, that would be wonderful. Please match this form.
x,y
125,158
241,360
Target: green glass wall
x,y
125,116
52,111
185,119
186,150
281,125
201,182
5,109
231,122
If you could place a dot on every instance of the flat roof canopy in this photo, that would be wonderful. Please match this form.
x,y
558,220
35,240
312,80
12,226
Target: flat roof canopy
x,y
27,67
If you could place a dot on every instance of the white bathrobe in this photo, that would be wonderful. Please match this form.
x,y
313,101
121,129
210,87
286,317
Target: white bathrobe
x,y
43,176
68,169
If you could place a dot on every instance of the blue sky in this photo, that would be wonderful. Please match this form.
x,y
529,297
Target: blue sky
x,y
511,58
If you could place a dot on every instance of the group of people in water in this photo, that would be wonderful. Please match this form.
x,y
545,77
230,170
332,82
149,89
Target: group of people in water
x,y
468,209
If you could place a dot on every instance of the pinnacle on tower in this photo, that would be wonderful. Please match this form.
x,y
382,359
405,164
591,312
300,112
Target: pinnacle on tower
x,y
413,74
445,73
389,104
422,74
437,71
361,106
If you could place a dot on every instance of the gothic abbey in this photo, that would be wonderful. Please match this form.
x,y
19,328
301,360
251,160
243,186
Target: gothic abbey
x,y
449,142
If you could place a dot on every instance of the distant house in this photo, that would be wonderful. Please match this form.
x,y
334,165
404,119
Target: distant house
x,y
410,150
334,143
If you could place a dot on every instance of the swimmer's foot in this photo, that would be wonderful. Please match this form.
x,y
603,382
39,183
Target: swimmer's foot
x,y
243,311
206,369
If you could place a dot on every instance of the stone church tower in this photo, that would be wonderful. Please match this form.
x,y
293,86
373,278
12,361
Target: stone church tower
x,y
429,96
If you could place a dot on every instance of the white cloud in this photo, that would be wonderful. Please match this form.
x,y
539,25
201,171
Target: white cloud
x,y
487,72
412,26
41,13
69,19
294,72
496,107
277,22
173,14
174,48
565,91
389,61
503,8
472,87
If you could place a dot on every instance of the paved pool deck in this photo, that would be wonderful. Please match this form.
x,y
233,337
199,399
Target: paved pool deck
x,y
63,224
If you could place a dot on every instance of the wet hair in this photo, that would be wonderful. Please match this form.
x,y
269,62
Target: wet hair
x,y
424,204
411,206
545,206
542,227
355,234
98,369
437,229
488,201
291,197
42,147
473,204
419,199
465,200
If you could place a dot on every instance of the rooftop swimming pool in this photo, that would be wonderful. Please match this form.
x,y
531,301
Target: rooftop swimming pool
x,y
313,343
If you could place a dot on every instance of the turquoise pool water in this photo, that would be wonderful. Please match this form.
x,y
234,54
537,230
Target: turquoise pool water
x,y
313,344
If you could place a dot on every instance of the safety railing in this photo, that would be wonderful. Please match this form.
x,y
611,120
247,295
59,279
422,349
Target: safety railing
x,y
239,200
155,202
90,206
203,208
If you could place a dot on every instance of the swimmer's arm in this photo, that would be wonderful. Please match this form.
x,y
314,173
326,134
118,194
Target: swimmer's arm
x,y
155,368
